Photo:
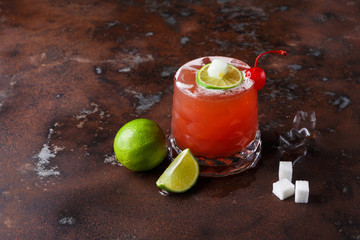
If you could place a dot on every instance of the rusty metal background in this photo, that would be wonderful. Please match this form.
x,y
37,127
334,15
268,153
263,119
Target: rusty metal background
x,y
73,72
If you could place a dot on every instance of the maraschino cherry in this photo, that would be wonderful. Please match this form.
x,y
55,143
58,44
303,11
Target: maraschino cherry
x,y
257,74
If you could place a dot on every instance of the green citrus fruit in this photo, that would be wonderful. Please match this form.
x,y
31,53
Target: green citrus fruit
x,y
232,78
181,174
140,145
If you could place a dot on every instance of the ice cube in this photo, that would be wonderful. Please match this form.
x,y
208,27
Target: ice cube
x,y
291,140
302,191
293,143
285,170
217,68
305,123
283,189
341,101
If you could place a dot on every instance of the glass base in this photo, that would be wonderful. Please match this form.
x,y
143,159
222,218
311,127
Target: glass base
x,y
225,166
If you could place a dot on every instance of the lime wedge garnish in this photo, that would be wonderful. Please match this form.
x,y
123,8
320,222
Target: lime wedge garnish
x,y
181,174
232,78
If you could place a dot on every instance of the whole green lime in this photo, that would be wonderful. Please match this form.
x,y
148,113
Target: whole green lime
x,y
140,145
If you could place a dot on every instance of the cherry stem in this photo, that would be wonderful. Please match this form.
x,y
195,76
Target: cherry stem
x,y
282,52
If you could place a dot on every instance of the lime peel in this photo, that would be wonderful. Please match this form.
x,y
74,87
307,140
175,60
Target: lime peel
x,y
140,145
181,174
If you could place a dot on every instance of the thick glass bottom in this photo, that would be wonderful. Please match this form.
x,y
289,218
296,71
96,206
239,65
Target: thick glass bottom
x,y
221,167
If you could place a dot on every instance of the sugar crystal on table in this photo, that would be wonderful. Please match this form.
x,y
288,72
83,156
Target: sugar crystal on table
x,y
302,191
285,170
283,189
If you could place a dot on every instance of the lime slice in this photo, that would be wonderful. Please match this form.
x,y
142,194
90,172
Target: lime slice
x,y
181,174
232,78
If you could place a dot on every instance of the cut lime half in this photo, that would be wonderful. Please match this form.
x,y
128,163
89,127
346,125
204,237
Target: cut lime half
x,y
231,79
181,174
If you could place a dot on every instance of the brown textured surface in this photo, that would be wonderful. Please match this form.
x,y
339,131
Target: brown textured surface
x,y
73,72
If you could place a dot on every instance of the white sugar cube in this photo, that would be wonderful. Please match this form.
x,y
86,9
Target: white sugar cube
x,y
302,191
283,189
217,69
285,170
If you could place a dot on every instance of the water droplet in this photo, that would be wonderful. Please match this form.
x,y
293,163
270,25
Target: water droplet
x,y
184,40
185,12
122,70
314,52
342,102
295,67
67,220
112,24
283,8
171,20
292,86
325,79
164,193
345,189
98,70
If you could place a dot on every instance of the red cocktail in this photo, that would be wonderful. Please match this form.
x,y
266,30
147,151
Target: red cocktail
x,y
219,126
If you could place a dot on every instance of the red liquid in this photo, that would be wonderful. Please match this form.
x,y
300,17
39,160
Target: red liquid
x,y
213,123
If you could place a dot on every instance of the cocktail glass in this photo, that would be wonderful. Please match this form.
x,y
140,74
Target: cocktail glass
x,y
220,127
